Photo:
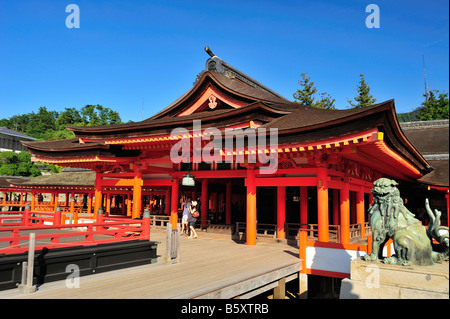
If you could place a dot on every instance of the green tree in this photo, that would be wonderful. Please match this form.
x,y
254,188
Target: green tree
x,y
41,122
70,116
436,107
325,102
409,116
305,95
51,125
364,98
14,164
93,115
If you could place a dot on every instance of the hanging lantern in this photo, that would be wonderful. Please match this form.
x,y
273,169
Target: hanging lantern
x,y
188,180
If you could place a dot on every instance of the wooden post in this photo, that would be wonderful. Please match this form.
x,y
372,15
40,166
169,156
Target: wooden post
x,y
89,206
33,199
108,204
335,207
56,201
345,213
26,216
303,277
303,207
360,219
98,194
251,207
146,225
322,203
137,194
57,216
128,201
281,211
302,241
228,204
100,218
174,204
167,202
279,292
28,287
204,203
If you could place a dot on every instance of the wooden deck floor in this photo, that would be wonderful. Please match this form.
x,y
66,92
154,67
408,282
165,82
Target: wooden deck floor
x,y
210,267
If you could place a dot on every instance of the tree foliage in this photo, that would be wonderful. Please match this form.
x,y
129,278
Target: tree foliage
x,y
13,164
409,116
305,95
363,97
436,107
51,125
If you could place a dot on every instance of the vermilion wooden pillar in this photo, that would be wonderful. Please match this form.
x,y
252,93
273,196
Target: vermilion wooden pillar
x,y
303,207
322,203
204,202
167,205
137,196
174,204
33,199
89,206
360,219
345,213
108,204
335,207
98,194
251,207
281,211
228,204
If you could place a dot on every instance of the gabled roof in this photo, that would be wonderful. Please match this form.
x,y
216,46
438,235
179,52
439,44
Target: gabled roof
x,y
7,131
233,94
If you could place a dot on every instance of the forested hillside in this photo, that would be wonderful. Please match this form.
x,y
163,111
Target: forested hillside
x,y
51,125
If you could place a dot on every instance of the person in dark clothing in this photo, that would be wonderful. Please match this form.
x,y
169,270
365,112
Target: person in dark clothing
x,y
192,219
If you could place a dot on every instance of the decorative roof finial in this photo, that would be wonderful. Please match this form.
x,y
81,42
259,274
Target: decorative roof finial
x,y
208,50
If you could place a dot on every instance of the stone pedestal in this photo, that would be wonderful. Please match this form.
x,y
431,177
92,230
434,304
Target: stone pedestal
x,y
375,280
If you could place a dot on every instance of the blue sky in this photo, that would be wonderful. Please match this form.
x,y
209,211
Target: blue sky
x,y
127,52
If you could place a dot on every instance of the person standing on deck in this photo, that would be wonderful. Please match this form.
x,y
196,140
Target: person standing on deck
x,y
193,214
184,219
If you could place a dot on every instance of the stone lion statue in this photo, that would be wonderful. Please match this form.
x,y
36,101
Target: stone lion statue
x,y
389,218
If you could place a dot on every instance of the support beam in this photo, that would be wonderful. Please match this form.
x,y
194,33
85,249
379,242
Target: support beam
x,y
33,199
345,214
167,202
98,194
335,207
174,203
137,196
279,292
322,203
228,204
251,207
303,206
281,211
360,219
204,202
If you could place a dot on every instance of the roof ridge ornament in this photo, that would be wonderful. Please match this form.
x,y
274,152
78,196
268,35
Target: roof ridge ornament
x,y
208,50
214,63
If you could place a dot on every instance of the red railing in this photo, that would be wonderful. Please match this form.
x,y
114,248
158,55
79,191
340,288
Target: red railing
x,y
108,229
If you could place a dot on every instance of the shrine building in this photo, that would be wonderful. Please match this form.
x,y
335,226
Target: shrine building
x,y
317,170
